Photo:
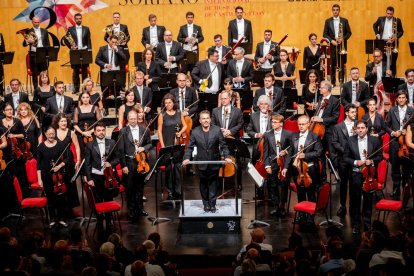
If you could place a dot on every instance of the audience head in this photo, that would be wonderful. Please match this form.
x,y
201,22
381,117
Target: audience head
x,y
258,235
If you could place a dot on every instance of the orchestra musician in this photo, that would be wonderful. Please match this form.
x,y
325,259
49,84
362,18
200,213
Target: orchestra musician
x,y
409,141
408,87
209,70
16,96
375,122
6,202
81,37
221,49
190,36
153,34
129,104
397,117
234,95
96,100
340,140
96,160
134,140
169,53
240,70
338,42
40,95
171,127
310,92
31,125
312,54
389,29
150,68
376,70
59,103
363,150
238,28
143,94
185,96
262,55
47,164
274,94
227,117
276,143
355,91
35,38
284,71
2,50
209,142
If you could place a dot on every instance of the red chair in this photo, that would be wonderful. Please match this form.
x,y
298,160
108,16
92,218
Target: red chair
x,y
292,188
386,146
291,125
29,202
101,208
382,176
341,114
389,205
118,170
73,149
31,172
312,208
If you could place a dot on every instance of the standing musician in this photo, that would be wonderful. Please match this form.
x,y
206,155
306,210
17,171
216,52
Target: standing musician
x,y
209,142
208,73
190,35
284,71
312,54
389,29
40,95
328,116
276,143
185,96
340,140
48,164
240,70
134,140
375,122
84,117
363,151
35,38
234,95
376,70
171,127
409,86
169,53
143,94
59,103
2,49
153,34
129,104
310,92
311,153
397,117
96,161
263,56
355,91
96,100
16,96
227,117
337,31
273,93
32,129
150,68
80,40
238,28
6,202
221,49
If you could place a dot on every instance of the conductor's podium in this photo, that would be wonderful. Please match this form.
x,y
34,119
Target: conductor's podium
x,y
226,219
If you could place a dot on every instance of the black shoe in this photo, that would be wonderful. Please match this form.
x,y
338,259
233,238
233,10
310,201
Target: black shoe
x,y
274,212
282,212
355,230
206,209
341,212
142,213
213,209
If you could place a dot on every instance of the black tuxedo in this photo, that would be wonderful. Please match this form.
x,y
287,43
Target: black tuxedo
x,y
146,96
52,106
248,33
2,49
224,51
372,78
207,150
93,156
378,26
246,72
362,94
252,129
378,126
259,51
235,120
146,38
278,99
404,87
44,37
86,37
183,34
161,55
122,28
190,97
102,57
350,156
202,71
24,98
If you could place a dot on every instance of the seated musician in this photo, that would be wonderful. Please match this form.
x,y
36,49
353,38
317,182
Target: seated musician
x,y
376,70
363,150
59,103
375,122
207,151
97,159
276,143
234,95
227,117
240,70
262,56
150,68
274,93
409,86
134,140
310,92
355,91
284,71
186,97
209,71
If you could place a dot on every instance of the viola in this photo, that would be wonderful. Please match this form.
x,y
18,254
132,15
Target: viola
x,y
182,139
370,183
2,162
86,139
260,166
16,153
143,166
316,127
302,167
110,180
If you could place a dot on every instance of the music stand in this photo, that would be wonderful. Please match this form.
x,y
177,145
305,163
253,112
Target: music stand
x,y
258,77
304,73
46,53
208,101
112,78
6,58
167,81
291,96
137,58
411,45
239,147
246,98
190,57
391,84
80,57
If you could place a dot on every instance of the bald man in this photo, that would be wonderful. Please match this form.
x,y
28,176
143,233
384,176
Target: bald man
x,y
169,53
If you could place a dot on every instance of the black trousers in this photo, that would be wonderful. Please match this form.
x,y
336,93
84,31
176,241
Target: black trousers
x,y
79,70
209,186
36,66
173,179
278,188
337,60
399,167
309,192
134,186
344,173
57,203
355,194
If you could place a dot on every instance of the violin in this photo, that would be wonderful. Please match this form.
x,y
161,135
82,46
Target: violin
x,y
260,166
370,183
182,139
141,157
316,127
303,177
2,161
16,153
86,139
111,182
59,187
25,149
281,162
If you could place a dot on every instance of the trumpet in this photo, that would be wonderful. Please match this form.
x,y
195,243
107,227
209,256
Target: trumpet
x,y
394,34
28,35
193,39
69,39
342,50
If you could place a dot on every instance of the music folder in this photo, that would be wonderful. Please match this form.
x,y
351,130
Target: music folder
x,y
411,44
6,57
80,57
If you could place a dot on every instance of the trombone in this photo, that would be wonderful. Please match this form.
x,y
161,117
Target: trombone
x,y
394,34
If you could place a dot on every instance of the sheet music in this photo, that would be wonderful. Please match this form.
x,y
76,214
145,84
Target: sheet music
x,y
255,175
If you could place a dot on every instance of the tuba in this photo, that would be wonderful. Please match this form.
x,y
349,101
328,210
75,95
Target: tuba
x,y
342,50
26,34
394,34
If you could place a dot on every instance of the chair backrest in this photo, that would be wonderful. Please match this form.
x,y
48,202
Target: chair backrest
x,y
31,170
323,197
17,189
157,149
382,171
89,196
291,125
385,142
406,195
73,149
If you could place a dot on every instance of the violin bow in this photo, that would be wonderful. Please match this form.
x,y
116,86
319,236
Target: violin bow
x,y
8,129
113,148
304,148
60,156
31,121
150,123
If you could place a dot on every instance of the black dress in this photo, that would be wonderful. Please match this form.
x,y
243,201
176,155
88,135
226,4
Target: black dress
x,y
32,133
39,100
378,127
94,98
309,97
169,126
154,71
290,70
310,60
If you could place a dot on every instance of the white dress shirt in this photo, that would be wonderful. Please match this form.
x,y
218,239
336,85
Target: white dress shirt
x,y
168,46
226,118
379,71
266,49
153,36
321,111
60,101
220,52
181,98
135,135
240,29
116,28
363,147
140,90
302,139
16,100
79,36
278,138
111,60
39,40
355,87
410,89
336,22
401,114
239,68
349,126
101,145
264,119
215,78
387,33
190,32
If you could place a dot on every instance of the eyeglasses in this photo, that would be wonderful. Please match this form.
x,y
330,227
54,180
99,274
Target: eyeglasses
x,y
377,56
217,40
